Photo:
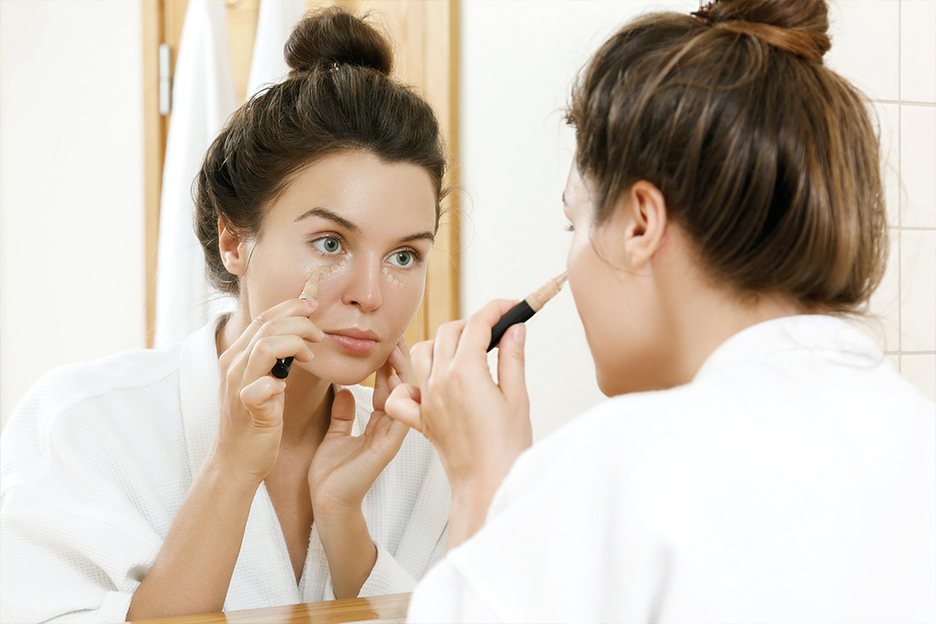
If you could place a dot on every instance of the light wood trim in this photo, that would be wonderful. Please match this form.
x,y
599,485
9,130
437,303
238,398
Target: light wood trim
x,y
376,609
154,150
442,90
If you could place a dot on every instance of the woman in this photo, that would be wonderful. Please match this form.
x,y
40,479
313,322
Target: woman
x,y
192,480
760,459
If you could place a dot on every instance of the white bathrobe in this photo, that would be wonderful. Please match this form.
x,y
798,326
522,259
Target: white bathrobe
x,y
98,458
793,480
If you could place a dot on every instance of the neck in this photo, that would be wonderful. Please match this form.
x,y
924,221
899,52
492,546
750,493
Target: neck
x,y
701,315
307,408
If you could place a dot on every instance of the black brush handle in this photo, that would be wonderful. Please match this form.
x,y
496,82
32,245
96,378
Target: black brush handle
x,y
520,313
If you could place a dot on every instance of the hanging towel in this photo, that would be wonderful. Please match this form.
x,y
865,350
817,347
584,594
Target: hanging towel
x,y
203,97
274,25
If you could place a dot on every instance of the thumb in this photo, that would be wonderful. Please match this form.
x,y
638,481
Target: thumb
x,y
342,414
403,405
511,371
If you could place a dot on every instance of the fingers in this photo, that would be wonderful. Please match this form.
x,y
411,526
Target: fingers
x,y
403,405
260,399
283,331
382,385
421,361
342,414
476,335
511,376
402,363
286,309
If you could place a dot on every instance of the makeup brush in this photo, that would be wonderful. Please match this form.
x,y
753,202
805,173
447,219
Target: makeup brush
x,y
525,310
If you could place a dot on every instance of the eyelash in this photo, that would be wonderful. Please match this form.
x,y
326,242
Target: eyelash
x,y
569,228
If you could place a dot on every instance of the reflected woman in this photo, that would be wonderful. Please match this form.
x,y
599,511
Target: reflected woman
x,y
190,479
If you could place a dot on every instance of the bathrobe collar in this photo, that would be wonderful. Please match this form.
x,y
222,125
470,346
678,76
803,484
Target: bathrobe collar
x,y
832,338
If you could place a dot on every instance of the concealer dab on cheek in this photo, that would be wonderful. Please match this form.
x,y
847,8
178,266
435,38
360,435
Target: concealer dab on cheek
x,y
310,290
392,279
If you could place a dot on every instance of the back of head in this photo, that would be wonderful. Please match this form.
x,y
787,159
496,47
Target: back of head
x,y
766,158
338,96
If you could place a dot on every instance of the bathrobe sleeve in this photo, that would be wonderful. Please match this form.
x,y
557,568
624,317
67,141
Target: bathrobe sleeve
x,y
75,541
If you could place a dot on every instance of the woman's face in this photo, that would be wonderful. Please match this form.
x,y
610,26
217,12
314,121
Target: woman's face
x,y
365,227
623,322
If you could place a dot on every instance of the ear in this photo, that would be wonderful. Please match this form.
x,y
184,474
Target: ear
x,y
645,223
233,250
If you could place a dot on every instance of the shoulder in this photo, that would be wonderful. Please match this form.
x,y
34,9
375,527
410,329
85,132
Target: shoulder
x,y
70,385
82,405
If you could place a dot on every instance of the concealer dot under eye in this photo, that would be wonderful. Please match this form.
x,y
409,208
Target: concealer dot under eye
x,y
393,280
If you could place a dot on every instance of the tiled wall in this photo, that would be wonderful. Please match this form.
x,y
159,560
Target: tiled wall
x,y
888,49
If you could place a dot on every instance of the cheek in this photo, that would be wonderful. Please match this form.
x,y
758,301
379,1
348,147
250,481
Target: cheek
x,y
402,295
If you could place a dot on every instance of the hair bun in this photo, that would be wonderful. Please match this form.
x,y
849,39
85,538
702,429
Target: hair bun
x,y
334,36
797,26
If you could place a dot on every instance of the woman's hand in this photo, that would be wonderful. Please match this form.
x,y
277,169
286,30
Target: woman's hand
x,y
251,399
343,470
478,426
344,466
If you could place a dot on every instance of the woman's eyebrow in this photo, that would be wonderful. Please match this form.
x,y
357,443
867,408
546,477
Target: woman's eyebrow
x,y
331,216
421,236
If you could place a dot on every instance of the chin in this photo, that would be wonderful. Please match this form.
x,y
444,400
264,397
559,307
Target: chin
x,y
345,370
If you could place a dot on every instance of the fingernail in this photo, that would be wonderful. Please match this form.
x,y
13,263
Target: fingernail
x,y
309,352
281,383
312,303
519,333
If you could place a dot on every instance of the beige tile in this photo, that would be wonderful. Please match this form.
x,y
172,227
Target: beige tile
x,y
866,45
921,371
918,165
883,320
918,51
894,359
918,290
888,123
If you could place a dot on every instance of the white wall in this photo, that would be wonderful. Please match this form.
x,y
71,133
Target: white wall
x,y
71,186
518,60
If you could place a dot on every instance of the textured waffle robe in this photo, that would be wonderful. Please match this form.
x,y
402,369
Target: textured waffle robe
x,y
98,457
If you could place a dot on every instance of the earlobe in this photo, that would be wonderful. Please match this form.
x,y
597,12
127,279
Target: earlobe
x,y
232,250
647,225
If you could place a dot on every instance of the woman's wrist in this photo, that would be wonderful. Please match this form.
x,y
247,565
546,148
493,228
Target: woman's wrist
x,y
350,551
471,500
219,466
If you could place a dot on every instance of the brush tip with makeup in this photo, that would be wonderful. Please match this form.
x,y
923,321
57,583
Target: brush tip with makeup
x,y
525,310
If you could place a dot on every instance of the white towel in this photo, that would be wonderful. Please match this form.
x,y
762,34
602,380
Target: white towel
x,y
274,25
203,97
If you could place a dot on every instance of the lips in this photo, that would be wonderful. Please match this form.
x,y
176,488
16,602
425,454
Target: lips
x,y
354,340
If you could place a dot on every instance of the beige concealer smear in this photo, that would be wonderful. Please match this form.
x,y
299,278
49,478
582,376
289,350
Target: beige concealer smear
x,y
392,279
310,290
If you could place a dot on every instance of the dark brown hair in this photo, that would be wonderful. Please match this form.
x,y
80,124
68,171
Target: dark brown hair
x,y
765,157
337,97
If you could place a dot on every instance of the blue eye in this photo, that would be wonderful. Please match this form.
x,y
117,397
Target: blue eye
x,y
328,245
403,259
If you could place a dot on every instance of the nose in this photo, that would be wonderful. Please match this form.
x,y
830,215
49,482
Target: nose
x,y
364,285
